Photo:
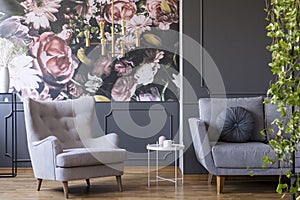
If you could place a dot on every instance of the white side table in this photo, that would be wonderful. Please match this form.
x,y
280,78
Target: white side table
x,y
157,148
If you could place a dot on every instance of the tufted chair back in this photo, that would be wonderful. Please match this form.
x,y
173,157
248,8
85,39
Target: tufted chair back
x,y
64,119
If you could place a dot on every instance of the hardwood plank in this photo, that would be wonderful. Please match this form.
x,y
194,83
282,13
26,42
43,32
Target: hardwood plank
x,y
23,187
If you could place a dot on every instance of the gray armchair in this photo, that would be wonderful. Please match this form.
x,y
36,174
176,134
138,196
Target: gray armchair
x,y
65,144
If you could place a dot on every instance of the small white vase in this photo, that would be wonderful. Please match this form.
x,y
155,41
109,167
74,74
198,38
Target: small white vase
x,y
4,79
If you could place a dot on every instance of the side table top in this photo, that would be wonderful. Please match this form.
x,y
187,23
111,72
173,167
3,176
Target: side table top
x,y
157,147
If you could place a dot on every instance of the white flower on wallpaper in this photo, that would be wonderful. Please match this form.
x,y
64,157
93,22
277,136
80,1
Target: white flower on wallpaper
x,y
129,41
176,80
139,22
21,71
22,75
9,50
145,74
40,12
93,83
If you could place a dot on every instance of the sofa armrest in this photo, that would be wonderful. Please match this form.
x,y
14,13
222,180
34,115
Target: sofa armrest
x,y
201,144
110,140
43,157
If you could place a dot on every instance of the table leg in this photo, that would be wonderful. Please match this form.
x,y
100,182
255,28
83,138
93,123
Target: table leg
x,y
148,168
175,163
182,174
156,167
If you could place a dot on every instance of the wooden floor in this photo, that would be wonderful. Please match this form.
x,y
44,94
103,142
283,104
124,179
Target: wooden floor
x,y
23,187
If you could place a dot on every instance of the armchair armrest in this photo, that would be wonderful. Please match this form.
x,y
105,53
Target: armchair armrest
x,y
57,147
110,140
43,157
201,144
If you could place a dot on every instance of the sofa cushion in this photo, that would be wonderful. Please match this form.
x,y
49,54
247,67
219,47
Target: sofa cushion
x,y
271,113
89,156
235,124
210,108
242,155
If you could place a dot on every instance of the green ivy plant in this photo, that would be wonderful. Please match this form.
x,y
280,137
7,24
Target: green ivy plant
x,y
283,28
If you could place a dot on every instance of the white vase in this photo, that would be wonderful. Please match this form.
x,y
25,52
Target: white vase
x,y
4,79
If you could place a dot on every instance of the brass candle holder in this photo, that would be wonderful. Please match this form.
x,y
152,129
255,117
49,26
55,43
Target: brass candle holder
x,y
103,38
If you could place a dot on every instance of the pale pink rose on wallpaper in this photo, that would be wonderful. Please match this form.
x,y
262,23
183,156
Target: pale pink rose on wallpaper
x,y
123,9
163,12
54,58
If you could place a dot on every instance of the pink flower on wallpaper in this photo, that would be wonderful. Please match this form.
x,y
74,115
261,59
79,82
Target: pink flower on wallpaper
x,y
66,33
139,22
153,95
123,9
54,59
34,94
75,87
124,88
85,8
123,67
102,66
153,56
163,12
40,12
103,1
75,90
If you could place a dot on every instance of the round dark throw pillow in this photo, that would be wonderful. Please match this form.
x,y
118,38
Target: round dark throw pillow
x,y
235,124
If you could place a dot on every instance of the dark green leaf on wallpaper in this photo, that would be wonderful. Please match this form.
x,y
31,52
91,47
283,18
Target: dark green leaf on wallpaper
x,y
9,8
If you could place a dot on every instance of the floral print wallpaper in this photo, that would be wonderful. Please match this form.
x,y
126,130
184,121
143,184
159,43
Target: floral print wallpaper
x,y
43,43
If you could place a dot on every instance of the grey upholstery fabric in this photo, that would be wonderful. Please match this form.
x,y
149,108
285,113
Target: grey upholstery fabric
x,y
235,124
209,109
87,157
242,155
271,114
202,144
62,143
75,173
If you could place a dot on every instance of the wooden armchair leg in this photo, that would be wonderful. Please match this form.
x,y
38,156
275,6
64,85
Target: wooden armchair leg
x,y
119,181
39,182
66,189
88,183
210,178
220,184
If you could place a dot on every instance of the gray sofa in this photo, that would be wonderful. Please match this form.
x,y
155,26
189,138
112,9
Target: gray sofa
x,y
234,158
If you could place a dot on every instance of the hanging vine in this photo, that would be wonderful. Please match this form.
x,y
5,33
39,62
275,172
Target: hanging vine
x,y
284,30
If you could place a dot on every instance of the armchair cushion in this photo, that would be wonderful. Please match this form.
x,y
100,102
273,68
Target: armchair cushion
x,y
235,124
78,157
242,155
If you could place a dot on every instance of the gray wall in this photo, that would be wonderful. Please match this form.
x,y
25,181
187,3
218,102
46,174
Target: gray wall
x,y
234,35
